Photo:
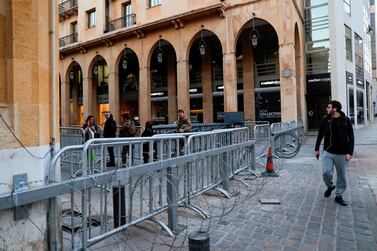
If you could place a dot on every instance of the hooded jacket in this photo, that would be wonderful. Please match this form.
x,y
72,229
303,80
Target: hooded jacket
x,y
338,134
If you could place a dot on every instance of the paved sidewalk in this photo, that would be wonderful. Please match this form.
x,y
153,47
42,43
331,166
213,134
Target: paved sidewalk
x,y
304,220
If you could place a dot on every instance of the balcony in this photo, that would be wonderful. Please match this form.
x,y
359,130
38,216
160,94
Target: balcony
x,y
122,22
67,40
67,9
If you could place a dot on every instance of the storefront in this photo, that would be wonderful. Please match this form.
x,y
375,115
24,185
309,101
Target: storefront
x,y
267,101
318,87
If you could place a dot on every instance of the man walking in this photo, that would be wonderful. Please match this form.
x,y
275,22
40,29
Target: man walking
x,y
338,146
183,124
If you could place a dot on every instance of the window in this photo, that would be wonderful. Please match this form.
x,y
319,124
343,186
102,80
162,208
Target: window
x,y
91,18
359,60
347,6
373,40
348,36
311,3
127,13
73,27
153,3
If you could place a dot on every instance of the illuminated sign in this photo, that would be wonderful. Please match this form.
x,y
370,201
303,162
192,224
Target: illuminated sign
x,y
269,83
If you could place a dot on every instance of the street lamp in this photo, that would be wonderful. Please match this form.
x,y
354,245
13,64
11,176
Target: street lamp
x,y
254,36
71,75
95,69
202,44
125,59
159,52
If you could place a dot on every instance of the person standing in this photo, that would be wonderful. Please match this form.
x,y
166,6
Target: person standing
x,y
336,129
90,128
109,131
148,132
128,130
183,123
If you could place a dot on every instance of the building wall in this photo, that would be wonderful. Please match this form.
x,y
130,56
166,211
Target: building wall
x,y
25,106
175,22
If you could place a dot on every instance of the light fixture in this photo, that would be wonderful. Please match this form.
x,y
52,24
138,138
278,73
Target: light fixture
x,y
202,44
71,75
254,36
125,59
159,52
95,69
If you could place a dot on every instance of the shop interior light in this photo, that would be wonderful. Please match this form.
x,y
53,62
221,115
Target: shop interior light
x,y
71,75
202,44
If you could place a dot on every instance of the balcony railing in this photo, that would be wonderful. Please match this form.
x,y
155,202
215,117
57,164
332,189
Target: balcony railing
x,y
70,39
68,7
125,21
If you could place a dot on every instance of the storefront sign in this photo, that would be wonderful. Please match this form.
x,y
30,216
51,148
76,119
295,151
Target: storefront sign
x,y
269,83
318,78
264,114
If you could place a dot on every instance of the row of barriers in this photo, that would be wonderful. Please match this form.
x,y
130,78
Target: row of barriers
x,y
152,177
101,201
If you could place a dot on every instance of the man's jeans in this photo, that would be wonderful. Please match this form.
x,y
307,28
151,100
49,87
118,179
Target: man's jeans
x,y
340,162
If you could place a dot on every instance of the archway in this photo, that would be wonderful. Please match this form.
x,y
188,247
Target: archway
x,y
75,105
258,75
206,78
129,83
163,68
100,88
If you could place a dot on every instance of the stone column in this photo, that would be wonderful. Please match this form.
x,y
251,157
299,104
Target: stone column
x,y
248,79
87,96
183,93
172,89
144,95
64,104
207,87
288,87
230,82
114,95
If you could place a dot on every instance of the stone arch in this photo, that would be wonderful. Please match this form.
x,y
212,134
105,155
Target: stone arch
x,y
245,24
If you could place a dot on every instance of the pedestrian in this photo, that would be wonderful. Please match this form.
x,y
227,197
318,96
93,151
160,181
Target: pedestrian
x,y
148,132
336,129
91,130
183,123
109,131
128,130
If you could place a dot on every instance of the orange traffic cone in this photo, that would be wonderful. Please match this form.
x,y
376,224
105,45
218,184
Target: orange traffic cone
x,y
270,167
270,164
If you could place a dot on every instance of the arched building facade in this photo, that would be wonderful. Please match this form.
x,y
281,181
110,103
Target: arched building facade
x,y
205,58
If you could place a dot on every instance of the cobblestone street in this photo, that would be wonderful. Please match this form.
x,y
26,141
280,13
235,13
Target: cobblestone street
x,y
305,220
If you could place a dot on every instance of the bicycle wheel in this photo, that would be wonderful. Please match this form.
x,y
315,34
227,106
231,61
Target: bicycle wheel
x,y
286,145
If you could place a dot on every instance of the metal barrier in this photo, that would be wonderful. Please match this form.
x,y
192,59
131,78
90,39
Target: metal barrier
x,y
163,129
106,200
70,136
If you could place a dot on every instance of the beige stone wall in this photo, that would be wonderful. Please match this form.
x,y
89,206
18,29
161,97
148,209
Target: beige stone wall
x,y
25,105
226,24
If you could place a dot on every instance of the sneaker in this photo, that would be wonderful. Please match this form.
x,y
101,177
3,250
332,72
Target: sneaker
x,y
339,200
109,164
329,191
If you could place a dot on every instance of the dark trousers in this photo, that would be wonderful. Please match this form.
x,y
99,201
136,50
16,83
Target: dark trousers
x,y
111,154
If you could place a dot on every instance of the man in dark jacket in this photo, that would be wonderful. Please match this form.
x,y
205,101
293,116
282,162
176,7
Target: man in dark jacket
x,y
338,146
110,132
